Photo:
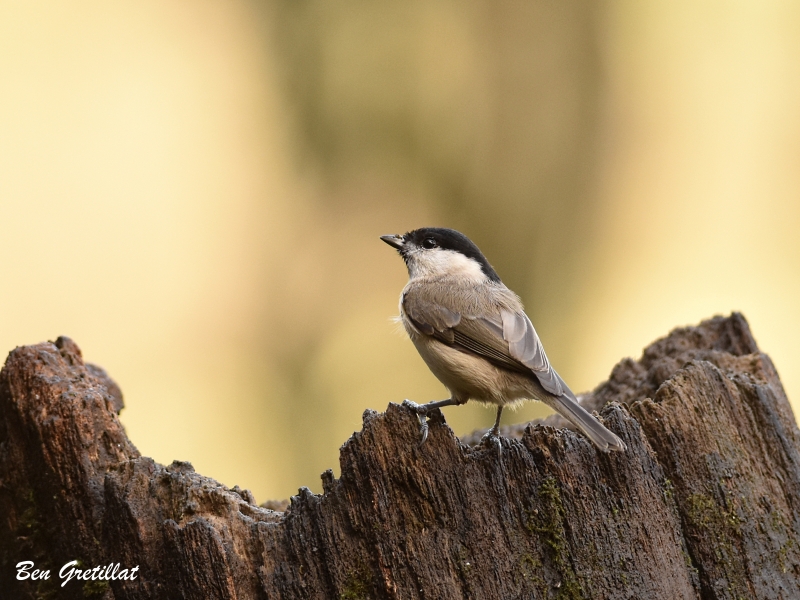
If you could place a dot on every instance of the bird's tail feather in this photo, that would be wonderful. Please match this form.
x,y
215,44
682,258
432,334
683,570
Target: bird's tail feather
x,y
573,412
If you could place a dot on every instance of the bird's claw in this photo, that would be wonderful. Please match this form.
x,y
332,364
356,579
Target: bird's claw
x,y
422,415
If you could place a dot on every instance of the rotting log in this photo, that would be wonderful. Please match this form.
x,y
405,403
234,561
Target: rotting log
x,y
704,504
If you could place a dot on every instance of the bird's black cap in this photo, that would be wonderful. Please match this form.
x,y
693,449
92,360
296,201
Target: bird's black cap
x,y
450,239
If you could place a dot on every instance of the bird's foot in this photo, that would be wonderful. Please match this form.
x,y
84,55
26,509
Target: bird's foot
x,y
421,411
491,439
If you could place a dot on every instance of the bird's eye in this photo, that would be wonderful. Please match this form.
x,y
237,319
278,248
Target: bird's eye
x,y
429,243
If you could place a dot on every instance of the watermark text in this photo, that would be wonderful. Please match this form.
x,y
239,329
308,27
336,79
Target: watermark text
x,y
71,570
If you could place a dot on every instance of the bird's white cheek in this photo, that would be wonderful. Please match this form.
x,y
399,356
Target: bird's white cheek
x,y
445,263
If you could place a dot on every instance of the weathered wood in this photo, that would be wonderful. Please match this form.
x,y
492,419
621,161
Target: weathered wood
x,y
704,504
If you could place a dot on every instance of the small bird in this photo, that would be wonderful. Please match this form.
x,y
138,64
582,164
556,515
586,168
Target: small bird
x,y
474,335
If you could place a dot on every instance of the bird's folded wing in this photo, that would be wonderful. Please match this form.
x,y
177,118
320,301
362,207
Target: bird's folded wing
x,y
507,340
526,347
430,318
485,338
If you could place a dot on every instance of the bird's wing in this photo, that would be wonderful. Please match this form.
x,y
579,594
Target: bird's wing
x,y
506,339
431,318
525,346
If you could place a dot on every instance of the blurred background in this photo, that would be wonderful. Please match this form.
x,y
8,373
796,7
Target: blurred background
x,y
193,191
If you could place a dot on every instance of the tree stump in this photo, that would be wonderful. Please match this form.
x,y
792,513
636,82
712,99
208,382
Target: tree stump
x,y
704,504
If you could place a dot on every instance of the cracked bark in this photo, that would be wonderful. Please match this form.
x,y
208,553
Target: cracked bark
x,y
704,504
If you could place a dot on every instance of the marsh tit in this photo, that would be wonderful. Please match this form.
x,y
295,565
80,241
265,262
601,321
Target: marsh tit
x,y
474,335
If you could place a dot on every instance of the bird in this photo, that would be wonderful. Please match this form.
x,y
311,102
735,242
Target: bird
x,y
474,336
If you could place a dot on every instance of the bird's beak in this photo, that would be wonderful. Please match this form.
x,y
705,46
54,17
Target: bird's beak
x,y
395,241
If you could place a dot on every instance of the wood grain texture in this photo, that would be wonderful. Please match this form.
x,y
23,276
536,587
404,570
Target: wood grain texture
x,y
704,504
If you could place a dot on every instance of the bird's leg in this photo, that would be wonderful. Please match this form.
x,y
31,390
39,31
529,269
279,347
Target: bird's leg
x,y
493,435
422,411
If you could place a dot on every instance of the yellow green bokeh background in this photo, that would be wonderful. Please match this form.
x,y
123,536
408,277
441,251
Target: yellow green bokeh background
x,y
194,191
